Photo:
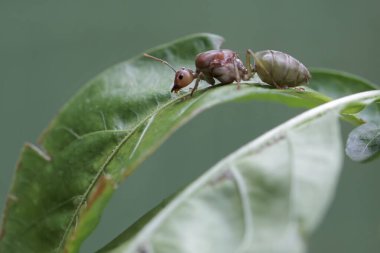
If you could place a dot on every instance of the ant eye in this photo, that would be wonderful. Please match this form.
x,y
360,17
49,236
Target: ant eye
x,y
180,77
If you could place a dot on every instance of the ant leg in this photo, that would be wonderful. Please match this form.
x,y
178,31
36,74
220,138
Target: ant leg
x,y
250,68
258,62
209,80
237,74
200,76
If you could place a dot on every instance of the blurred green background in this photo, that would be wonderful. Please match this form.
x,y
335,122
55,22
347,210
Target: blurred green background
x,y
49,49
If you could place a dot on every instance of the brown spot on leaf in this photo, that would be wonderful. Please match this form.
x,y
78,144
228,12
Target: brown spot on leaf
x,y
10,201
103,183
99,188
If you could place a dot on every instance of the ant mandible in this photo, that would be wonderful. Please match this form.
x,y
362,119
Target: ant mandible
x,y
275,68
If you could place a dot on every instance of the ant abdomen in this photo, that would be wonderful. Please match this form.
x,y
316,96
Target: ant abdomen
x,y
280,69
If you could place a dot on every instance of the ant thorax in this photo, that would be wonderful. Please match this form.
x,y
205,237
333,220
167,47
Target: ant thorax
x,y
223,65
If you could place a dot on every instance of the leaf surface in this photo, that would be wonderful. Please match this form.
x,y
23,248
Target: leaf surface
x,y
363,142
251,202
101,135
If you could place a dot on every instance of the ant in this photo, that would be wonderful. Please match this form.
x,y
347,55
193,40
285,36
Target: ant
x,y
275,68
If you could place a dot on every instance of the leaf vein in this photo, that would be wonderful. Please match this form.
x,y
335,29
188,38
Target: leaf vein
x,y
246,205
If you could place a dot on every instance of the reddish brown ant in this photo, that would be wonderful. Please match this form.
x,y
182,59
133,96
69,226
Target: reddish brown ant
x,y
273,67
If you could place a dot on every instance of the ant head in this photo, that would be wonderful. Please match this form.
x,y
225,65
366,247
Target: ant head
x,y
183,77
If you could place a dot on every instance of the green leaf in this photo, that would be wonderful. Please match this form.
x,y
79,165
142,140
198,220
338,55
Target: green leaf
x,y
336,84
250,202
363,142
371,113
101,135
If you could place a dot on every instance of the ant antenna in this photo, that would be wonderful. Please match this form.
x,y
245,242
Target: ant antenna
x,y
160,60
